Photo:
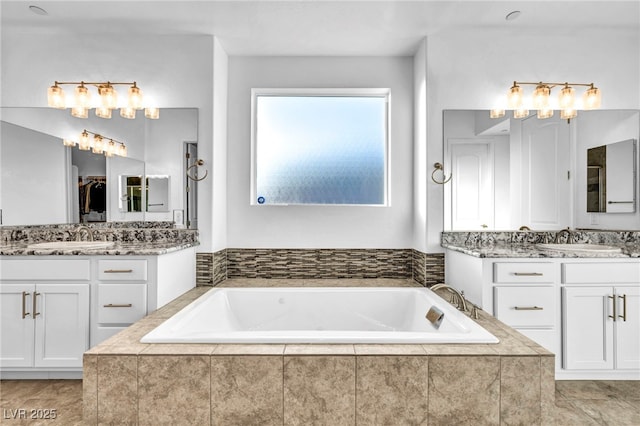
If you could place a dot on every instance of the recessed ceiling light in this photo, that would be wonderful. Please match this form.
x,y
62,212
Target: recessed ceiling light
x,y
513,15
38,10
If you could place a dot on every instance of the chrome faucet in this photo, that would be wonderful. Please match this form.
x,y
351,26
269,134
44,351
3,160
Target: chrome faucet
x,y
79,231
562,231
461,304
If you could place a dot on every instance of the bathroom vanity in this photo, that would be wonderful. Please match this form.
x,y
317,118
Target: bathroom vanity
x,y
583,305
57,303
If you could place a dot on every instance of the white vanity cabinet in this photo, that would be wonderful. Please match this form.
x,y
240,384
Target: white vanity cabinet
x,y
601,316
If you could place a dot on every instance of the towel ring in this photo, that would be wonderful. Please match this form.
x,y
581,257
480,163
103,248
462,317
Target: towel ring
x,y
445,179
195,177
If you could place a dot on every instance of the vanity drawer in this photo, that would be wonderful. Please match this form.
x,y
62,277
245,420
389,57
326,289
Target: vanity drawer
x,y
121,303
122,270
530,306
601,273
523,272
50,269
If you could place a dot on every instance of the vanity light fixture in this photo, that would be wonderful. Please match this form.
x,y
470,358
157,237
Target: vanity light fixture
x,y
108,99
98,144
541,99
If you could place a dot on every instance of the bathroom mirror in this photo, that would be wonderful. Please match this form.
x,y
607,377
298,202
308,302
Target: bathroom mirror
x,y
509,172
611,178
157,193
130,190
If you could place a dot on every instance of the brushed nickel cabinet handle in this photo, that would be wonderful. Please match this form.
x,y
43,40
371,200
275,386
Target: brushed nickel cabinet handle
x,y
35,307
624,307
528,308
118,271
527,274
118,305
24,304
614,307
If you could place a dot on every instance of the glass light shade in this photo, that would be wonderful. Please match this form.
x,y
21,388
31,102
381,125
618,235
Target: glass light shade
x,y
568,113
98,145
68,142
128,112
111,148
566,98
592,98
121,150
152,112
84,143
520,113
55,97
135,97
108,96
83,97
545,113
80,112
103,112
497,113
541,97
514,97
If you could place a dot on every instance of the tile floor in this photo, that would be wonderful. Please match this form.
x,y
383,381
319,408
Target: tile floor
x,y
580,403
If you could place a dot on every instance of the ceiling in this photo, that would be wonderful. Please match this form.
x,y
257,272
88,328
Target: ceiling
x,y
312,27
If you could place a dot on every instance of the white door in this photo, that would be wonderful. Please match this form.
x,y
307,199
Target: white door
x,y
587,335
16,325
62,324
472,193
546,200
628,328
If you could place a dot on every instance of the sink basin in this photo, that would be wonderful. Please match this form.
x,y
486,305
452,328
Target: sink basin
x,y
71,245
592,248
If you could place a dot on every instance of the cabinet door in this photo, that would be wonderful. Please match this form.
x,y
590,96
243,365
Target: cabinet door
x,y
628,328
587,339
62,324
16,325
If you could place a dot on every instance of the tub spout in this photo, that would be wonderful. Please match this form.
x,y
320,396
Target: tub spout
x,y
461,303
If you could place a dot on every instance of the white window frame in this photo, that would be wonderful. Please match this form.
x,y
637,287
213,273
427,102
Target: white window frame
x,y
308,92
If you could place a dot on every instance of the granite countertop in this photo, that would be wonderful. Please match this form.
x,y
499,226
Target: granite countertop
x,y
116,249
528,250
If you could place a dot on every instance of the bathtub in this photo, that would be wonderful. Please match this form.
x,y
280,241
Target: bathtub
x,y
317,315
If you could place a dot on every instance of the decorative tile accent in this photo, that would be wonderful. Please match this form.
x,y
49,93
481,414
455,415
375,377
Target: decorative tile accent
x,y
520,390
204,269
434,269
419,266
117,389
392,390
219,266
319,390
246,390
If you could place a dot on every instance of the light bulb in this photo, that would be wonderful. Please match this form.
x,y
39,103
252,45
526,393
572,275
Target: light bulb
x,y
566,97
592,98
545,113
68,142
55,97
514,97
541,97
98,145
108,96
80,112
103,112
84,143
122,150
569,113
83,96
497,113
520,113
135,97
152,113
128,112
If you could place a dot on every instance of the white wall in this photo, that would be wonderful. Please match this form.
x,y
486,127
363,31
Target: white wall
x,y
473,69
420,148
596,128
32,188
320,226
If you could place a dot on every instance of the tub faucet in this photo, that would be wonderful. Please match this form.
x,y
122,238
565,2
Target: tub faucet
x,y
462,304
562,231
79,233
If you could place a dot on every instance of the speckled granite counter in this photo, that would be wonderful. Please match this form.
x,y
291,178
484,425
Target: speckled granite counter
x,y
511,382
116,249
514,250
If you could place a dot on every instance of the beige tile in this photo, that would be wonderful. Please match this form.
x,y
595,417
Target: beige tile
x,y
246,390
174,390
566,414
520,390
90,388
453,390
580,389
392,390
228,349
458,349
319,350
389,350
319,390
121,349
609,411
547,389
117,389
179,349
629,390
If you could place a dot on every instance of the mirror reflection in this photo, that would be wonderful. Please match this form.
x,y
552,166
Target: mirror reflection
x,y
131,193
611,171
157,193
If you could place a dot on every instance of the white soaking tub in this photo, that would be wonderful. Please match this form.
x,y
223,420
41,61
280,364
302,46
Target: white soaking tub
x,y
317,315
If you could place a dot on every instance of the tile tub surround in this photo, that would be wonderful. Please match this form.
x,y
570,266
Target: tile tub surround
x,y
213,268
509,382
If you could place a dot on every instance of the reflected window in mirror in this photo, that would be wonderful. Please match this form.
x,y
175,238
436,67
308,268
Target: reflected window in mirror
x,y
130,193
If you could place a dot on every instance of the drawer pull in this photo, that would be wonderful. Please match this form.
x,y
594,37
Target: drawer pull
x,y
35,299
615,315
624,307
528,308
24,304
527,274
118,271
118,305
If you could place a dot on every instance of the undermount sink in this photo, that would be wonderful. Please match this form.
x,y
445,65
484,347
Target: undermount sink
x,y
594,248
71,245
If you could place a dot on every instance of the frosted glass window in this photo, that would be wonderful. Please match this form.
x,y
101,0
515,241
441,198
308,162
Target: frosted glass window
x,y
320,149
